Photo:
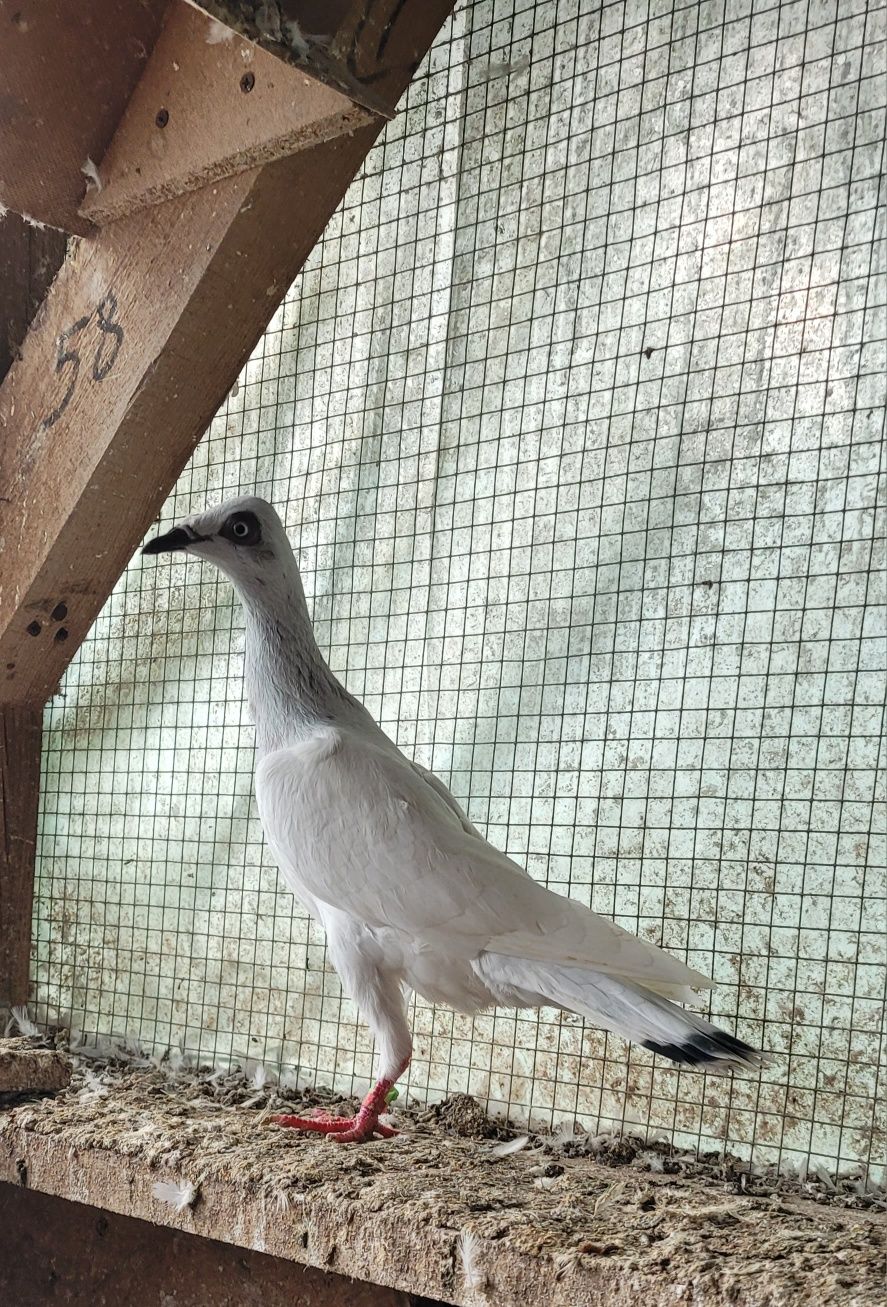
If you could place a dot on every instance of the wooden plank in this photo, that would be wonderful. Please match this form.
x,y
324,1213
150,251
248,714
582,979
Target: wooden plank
x,y
20,729
53,119
206,109
142,335
601,1233
57,1252
29,259
25,1068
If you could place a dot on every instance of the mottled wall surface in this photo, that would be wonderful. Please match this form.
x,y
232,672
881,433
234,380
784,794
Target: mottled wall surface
x,y
576,419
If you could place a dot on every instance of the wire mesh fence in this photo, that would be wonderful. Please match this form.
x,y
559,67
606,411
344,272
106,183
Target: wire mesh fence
x,y
575,417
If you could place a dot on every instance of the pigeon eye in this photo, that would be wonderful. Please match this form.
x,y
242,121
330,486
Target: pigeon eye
x,y
243,529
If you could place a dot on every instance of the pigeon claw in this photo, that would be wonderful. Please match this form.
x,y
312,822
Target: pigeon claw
x,y
361,1132
357,1129
319,1122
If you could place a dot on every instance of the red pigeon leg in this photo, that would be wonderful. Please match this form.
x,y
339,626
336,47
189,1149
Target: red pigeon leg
x,y
357,1129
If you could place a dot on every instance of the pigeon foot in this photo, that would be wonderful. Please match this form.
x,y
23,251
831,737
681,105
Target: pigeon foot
x,y
358,1129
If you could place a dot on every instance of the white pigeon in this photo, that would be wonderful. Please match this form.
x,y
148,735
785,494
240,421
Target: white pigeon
x,y
379,851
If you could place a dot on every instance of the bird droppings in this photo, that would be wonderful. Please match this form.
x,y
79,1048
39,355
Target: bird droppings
x,y
616,1219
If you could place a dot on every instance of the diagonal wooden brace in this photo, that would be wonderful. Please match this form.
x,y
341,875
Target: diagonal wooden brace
x,y
141,336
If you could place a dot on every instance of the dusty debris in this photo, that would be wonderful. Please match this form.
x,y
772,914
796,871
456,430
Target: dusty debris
x,y
463,1116
604,1223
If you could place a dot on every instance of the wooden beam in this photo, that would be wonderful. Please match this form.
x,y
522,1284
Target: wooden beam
x,y
55,118
208,108
29,259
141,337
20,729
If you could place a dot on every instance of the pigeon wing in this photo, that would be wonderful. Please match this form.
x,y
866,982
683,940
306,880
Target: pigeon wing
x,y
356,825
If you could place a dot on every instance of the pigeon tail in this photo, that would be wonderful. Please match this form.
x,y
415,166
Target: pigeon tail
x,y
620,1006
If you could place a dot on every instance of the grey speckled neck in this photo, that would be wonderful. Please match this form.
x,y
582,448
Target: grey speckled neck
x,y
289,685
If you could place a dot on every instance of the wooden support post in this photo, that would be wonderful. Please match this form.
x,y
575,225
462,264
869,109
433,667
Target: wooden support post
x,y
140,338
29,260
20,728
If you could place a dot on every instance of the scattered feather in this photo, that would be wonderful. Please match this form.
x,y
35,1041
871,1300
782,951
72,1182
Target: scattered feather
x,y
468,1249
608,1197
261,1077
93,1087
565,1262
177,1059
102,1049
267,19
510,1146
296,40
33,222
19,1020
218,33
653,1161
285,1198
177,1196
91,173
546,1181
818,1170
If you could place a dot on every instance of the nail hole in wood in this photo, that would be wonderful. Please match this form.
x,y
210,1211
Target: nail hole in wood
x,y
60,611
33,628
61,633
247,82
162,117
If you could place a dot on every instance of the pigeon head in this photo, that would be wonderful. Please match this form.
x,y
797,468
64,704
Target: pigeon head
x,y
243,537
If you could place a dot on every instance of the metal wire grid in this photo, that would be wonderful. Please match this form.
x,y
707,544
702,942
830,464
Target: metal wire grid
x,y
576,415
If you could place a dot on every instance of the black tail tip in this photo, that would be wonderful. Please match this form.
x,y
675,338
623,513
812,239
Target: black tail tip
x,y
713,1050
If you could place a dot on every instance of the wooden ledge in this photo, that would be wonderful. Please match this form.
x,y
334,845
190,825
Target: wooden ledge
x,y
540,1227
25,1066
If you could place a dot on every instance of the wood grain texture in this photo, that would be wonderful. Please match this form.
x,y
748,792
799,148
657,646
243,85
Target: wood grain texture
x,y
52,119
20,729
204,110
141,337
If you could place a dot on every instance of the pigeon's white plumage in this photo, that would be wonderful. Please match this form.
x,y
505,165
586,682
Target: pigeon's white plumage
x,y
376,848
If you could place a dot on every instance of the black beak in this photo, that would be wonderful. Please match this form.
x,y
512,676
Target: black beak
x,y
178,538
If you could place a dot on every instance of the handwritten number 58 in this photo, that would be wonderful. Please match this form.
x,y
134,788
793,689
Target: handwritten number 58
x,y
67,360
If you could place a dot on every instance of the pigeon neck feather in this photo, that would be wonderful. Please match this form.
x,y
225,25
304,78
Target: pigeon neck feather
x,y
291,689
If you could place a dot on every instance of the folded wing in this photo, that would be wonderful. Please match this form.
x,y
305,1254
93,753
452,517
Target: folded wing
x,y
356,825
